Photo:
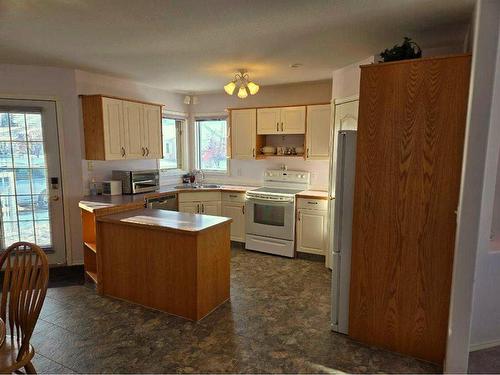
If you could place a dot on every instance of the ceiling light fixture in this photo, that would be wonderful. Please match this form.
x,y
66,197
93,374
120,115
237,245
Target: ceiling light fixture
x,y
242,81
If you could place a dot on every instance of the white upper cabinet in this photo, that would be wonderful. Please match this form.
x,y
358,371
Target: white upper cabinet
x,y
133,124
293,120
243,133
268,120
113,132
121,129
318,132
286,120
152,136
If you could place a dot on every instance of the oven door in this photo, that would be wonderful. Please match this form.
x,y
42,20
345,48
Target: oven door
x,y
270,218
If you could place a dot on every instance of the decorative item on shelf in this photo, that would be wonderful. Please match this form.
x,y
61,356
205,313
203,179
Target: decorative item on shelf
x,y
299,150
280,150
407,50
242,81
268,150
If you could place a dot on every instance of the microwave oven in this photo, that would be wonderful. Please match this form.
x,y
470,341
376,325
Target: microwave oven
x,y
135,182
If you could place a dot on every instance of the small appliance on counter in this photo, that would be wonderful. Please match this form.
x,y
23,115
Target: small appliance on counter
x,y
135,182
113,187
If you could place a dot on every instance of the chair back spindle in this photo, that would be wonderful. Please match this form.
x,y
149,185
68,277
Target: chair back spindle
x,y
25,281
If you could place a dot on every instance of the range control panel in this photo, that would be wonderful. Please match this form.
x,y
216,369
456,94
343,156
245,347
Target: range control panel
x,y
279,175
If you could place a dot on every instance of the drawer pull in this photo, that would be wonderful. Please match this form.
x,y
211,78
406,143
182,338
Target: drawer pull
x,y
233,196
309,202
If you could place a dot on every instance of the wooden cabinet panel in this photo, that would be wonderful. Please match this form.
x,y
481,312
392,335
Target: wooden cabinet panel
x,y
312,231
268,120
410,139
211,208
114,139
293,120
235,211
189,207
133,130
318,132
152,135
121,129
243,133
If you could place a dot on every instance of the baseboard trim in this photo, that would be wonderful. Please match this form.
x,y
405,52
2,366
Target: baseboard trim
x,y
484,345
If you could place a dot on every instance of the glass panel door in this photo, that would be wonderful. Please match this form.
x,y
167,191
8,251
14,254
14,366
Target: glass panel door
x,y
30,206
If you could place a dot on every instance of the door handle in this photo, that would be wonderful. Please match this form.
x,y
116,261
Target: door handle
x,y
281,126
143,151
277,126
123,151
298,218
202,208
253,152
55,198
147,151
198,208
243,209
307,153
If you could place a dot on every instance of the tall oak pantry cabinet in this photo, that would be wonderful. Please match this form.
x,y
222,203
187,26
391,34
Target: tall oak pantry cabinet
x,y
410,138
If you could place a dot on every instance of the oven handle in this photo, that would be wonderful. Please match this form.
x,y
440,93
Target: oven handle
x,y
270,200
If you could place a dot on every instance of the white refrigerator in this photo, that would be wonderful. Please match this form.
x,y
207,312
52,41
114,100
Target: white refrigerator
x,y
342,229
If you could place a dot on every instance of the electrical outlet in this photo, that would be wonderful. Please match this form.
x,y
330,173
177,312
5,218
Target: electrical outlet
x,y
90,165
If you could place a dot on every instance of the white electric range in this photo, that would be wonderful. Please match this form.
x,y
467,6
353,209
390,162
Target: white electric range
x,y
270,212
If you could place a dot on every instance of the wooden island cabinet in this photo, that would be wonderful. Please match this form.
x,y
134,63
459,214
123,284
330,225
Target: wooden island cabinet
x,y
167,260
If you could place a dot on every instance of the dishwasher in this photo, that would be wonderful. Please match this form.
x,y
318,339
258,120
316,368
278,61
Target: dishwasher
x,y
165,202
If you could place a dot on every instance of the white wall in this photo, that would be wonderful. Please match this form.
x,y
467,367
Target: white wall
x,y
475,301
91,83
250,172
345,81
24,81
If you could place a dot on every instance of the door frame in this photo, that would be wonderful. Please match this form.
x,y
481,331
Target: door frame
x,y
60,135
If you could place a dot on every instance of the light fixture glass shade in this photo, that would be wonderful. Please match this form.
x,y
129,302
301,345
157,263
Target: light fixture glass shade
x,y
230,87
187,99
242,92
253,88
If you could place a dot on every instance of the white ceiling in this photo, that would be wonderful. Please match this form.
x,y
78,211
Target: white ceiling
x,y
197,45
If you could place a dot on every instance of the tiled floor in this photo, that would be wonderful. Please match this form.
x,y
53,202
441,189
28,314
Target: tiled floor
x,y
277,321
485,361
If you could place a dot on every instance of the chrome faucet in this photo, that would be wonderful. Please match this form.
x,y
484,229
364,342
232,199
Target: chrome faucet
x,y
197,172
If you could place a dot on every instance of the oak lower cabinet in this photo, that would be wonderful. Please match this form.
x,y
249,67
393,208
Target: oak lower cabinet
x,y
318,132
120,129
243,133
312,226
207,203
233,206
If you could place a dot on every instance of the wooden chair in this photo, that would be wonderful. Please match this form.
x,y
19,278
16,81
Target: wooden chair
x,y
25,281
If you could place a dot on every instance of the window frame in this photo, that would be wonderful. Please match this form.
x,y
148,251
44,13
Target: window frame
x,y
180,129
197,153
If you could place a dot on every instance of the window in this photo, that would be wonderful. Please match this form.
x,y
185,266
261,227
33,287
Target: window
x,y
211,145
171,133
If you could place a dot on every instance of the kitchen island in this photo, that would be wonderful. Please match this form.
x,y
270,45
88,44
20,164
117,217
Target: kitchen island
x,y
167,260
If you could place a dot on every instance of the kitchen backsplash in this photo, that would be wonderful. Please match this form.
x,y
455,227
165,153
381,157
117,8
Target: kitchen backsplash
x,y
244,172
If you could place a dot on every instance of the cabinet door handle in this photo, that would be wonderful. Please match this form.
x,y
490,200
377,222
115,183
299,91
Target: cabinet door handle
x,y
202,208
307,153
243,209
281,126
123,151
277,126
253,152
300,214
143,151
310,202
233,196
147,151
198,208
